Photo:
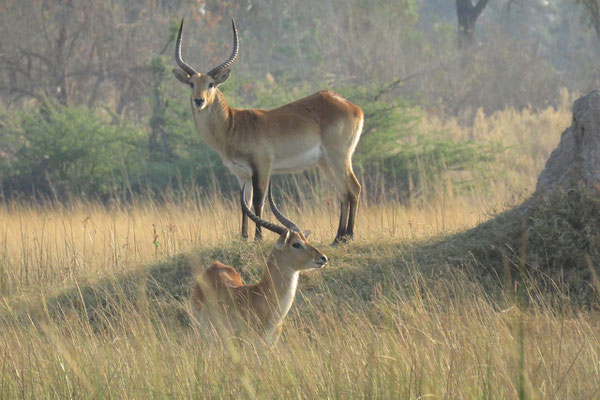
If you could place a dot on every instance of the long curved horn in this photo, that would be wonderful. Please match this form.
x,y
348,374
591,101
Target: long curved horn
x,y
286,222
232,58
280,230
182,64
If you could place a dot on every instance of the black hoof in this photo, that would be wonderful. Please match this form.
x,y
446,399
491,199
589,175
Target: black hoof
x,y
341,239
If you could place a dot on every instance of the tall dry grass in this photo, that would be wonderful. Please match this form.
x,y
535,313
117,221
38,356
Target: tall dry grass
x,y
528,136
374,324
54,247
442,339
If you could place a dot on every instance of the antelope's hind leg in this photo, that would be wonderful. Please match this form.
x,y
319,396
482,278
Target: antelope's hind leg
x,y
348,190
353,199
340,236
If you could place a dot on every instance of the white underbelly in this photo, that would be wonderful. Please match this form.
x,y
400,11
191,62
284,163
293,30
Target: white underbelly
x,y
297,161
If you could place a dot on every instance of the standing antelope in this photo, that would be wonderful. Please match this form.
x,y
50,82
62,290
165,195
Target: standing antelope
x,y
319,130
219,290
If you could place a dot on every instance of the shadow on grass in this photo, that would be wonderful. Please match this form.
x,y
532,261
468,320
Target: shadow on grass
x,y
165,285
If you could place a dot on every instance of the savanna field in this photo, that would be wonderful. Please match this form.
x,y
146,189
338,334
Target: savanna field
x,y
429,301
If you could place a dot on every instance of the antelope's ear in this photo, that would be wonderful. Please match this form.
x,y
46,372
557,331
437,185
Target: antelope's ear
x,y
283,239
181,76
222,76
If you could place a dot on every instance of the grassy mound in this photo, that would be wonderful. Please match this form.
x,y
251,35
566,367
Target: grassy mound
x,y
552,244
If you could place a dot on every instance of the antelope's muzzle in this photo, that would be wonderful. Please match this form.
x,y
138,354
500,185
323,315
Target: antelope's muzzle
x,y
199,101
320,262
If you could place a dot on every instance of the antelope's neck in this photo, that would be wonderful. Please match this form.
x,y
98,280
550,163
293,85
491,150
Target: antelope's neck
x,y
279,283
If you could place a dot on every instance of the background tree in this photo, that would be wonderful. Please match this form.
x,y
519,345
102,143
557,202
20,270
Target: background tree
x,y
75,51
467,16
591,13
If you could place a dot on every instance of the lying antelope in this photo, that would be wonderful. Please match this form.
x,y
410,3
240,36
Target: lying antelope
x,y
220,295
319,130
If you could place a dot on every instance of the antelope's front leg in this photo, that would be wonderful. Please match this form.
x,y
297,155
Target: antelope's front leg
x,y
248,198
260,182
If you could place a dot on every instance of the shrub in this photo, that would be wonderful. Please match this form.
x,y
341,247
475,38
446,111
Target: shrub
x,y
59,151
395,155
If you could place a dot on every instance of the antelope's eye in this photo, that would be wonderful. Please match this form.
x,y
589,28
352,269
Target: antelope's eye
x,y
211,85
297,245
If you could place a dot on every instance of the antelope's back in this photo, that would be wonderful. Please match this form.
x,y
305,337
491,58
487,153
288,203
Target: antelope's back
x,y
216,284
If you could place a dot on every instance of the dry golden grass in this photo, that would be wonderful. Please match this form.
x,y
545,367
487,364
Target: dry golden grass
x,y
442,339
529,136
374,324
59,245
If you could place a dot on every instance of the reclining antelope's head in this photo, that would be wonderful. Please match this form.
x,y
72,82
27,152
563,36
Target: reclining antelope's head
x,y
203,85
292,249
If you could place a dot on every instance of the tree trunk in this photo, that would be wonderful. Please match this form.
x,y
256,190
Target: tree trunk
x,y
594,8
467,16
156,122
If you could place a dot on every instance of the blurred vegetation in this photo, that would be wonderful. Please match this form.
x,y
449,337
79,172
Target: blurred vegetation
x,y
398,156
90,107
62,150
